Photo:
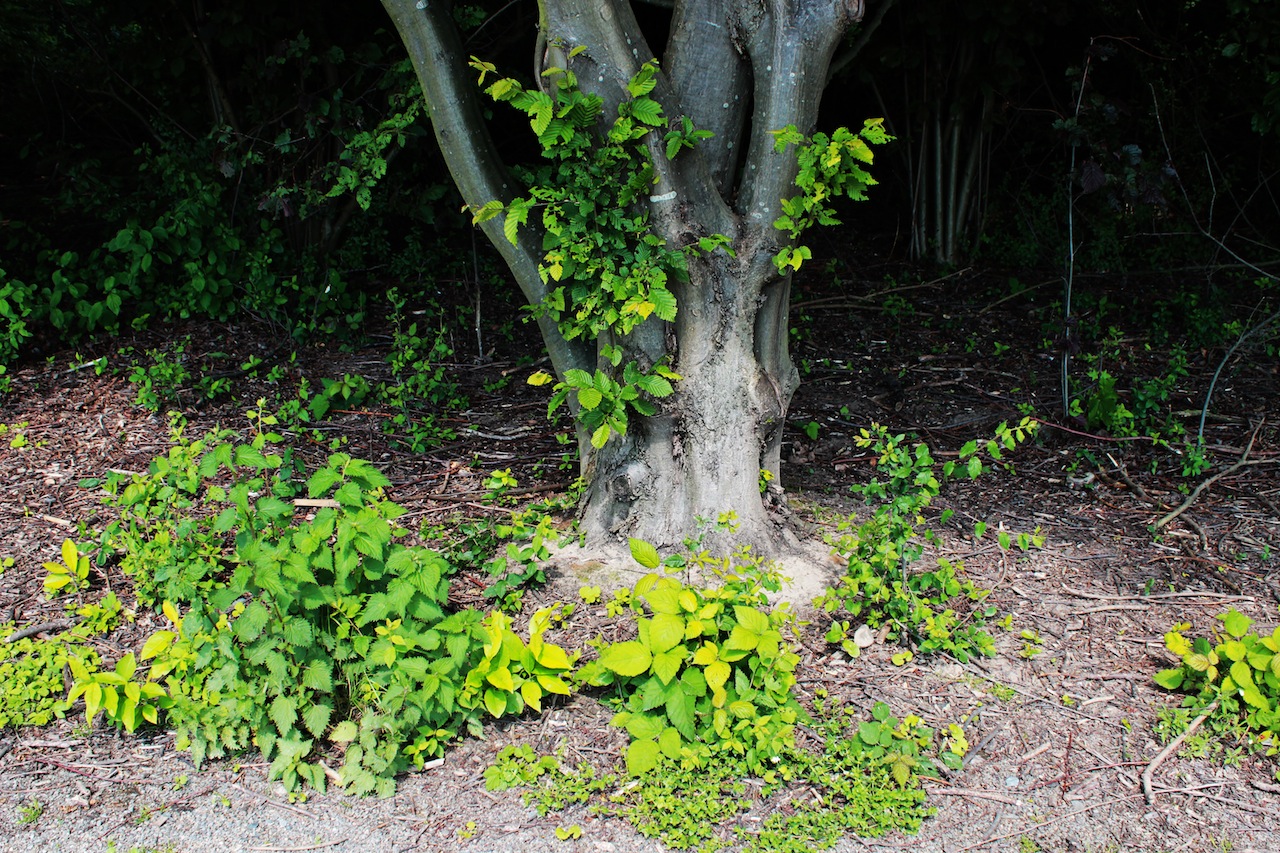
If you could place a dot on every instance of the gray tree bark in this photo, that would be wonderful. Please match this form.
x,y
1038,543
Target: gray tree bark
x,y
739,68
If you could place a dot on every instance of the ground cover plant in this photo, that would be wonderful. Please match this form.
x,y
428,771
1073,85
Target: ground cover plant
x,y
489,483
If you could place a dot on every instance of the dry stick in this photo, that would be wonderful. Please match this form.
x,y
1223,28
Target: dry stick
x,y
1170,749
1218,597
1051,821
319,846
970,792
1240,804
39,628
1195,494
164,808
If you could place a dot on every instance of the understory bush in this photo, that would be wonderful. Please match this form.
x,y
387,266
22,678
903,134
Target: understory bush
x,y
300,623
709,671
931,610
1237,668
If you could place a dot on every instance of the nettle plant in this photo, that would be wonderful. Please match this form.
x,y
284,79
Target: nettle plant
x,y
709,671
1238,668
932,610
300,634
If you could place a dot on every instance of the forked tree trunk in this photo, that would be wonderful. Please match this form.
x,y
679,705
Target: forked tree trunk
x,y
740,68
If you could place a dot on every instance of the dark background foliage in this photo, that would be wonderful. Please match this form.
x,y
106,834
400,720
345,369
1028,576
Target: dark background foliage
x,y
166,160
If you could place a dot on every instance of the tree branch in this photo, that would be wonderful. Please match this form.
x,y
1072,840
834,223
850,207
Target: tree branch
x,y
790,44
431,38
701,39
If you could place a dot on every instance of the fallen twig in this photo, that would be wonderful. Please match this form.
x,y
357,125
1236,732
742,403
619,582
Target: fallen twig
x,y
1170,749
1240,804
1195,494
970,792
38,628
1217,596
270,801
1051,821
319,846
1103,607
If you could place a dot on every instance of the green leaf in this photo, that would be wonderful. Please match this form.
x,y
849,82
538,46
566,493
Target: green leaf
x,y
283,713
665,631
1235,622
664,302
667,664
248,627
344,732
670,743
1170,679
751,619
629,658
579,379
318,676
316,718
642,756
640,726
495,701
322,481
644,553
589,398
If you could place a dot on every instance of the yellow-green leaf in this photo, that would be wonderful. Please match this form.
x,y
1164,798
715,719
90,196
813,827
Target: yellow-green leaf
x,y
742,639
667,664
157,643
501,679
717,674
70,554
669,742
665,631
644,553
532,694
552,684
344,732
642,756
627,659
495,701
553,657
707,654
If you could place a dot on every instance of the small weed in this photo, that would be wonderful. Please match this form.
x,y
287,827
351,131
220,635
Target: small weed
x,y
934,610
1032,645
29,814
162,380
71,575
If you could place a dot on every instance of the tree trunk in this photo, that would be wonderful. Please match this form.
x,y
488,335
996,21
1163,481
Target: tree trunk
x,y
741,69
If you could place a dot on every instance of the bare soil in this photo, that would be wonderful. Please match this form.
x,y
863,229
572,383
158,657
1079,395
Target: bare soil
x,y
1062,731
